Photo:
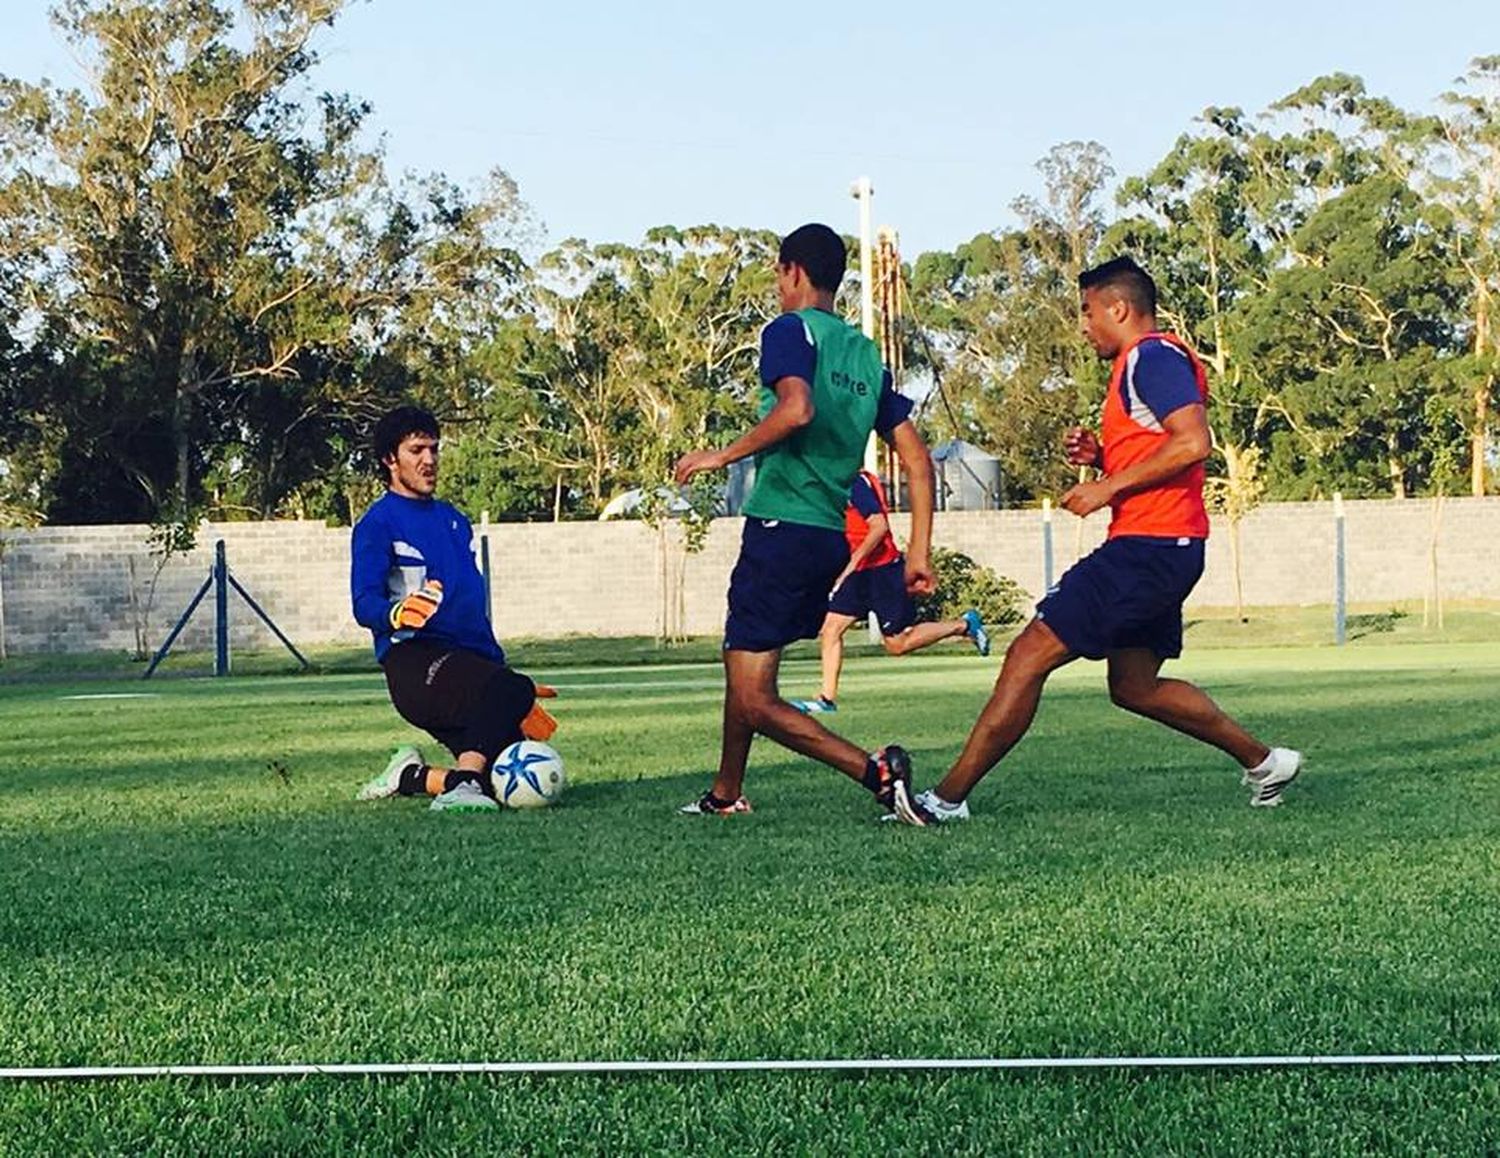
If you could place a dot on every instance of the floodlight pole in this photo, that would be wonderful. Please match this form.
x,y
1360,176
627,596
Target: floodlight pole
x,y
862,191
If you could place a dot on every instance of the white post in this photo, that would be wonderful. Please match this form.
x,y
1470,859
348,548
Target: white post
x,y
484,565
1340,592
1046,544
862,191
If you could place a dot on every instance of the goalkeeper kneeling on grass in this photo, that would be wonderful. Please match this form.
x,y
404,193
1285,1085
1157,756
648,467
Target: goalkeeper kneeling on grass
x,y
416,584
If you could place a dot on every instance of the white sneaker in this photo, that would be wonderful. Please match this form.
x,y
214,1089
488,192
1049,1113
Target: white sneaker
x,y
465,797
389,781
927,808
1281,768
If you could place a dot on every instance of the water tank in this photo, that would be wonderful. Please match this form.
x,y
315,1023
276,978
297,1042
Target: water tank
x,y
737,489
968,478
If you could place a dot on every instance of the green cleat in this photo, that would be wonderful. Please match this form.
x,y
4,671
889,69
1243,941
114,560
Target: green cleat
x,y
389,781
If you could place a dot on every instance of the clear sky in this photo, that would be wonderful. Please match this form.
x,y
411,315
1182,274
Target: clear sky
x,y
614,117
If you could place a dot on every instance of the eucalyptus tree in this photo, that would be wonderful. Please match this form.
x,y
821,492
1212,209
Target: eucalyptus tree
x,y
1470,187
1354,330
1002,315
626,355
1192,221
218,258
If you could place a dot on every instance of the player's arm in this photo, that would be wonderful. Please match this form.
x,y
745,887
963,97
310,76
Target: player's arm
x,y
793,410
788,361
1188,443
916,461
1081,447
1162,379
369,563
878,525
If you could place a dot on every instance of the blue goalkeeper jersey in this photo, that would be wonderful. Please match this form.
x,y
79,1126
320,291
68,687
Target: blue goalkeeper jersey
x,y
399,544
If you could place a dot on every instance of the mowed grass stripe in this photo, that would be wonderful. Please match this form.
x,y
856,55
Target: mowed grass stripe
x,y
192,882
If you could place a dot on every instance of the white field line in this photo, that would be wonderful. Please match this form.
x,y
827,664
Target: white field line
x,y
782,1065
115,696
671,679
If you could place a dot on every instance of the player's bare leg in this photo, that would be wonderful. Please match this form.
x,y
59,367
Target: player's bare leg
x,y
1031,657
752,704
466,787
831,649
1136,685
920,635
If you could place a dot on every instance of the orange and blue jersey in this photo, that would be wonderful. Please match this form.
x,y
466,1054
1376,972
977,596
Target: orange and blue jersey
x,y
866,500
1153,377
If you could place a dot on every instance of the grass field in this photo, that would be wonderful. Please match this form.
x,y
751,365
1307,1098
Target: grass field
x,y
188,880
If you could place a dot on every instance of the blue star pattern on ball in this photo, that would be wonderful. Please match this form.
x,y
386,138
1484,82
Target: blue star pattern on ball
x,y
523,770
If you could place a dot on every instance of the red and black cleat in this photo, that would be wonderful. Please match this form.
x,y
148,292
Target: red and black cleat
x,y
889,771
710,805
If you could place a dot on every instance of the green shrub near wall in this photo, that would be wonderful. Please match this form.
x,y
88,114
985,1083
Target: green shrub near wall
x,y
963,583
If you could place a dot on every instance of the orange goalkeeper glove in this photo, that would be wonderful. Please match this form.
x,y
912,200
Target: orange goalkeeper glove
x,y
539,723
416,609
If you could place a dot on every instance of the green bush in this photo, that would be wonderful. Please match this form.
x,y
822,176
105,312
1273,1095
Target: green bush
x,y
963,583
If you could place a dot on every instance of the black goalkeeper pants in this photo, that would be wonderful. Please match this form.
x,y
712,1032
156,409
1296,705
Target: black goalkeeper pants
x,y
464,701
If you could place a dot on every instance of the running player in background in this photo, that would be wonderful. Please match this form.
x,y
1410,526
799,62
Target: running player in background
x,y
874,580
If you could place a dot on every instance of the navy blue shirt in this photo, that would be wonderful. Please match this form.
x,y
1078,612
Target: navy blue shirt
x,y
398,545
862,498
787,351
1158,380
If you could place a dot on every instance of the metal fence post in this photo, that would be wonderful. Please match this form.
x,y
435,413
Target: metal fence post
x,y
1340,610
221,611
1046,545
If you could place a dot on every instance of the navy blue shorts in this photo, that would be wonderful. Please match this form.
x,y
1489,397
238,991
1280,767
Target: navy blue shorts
x,y
881,590
1127,594
778,591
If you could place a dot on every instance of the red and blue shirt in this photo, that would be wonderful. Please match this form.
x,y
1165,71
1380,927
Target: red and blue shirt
x,y
866,500
1153,377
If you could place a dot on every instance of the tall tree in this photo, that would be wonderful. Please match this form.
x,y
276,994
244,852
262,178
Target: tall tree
x,y
1001,312
630,355
1356,316
1471,189
1193,223
221,256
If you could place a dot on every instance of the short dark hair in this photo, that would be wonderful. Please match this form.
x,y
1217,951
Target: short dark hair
x,y
1127,279
818,250
395,427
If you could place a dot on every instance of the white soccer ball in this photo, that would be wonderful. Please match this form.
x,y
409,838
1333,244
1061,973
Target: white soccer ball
x,y
528,774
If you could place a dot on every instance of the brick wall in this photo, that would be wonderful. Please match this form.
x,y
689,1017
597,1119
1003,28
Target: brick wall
x,y
67,589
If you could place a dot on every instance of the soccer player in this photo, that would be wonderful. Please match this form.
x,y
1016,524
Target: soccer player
x,y
1123,602
825,390
874,580
416,584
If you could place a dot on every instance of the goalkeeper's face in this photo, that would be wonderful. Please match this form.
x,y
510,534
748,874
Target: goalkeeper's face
x,y
414,466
